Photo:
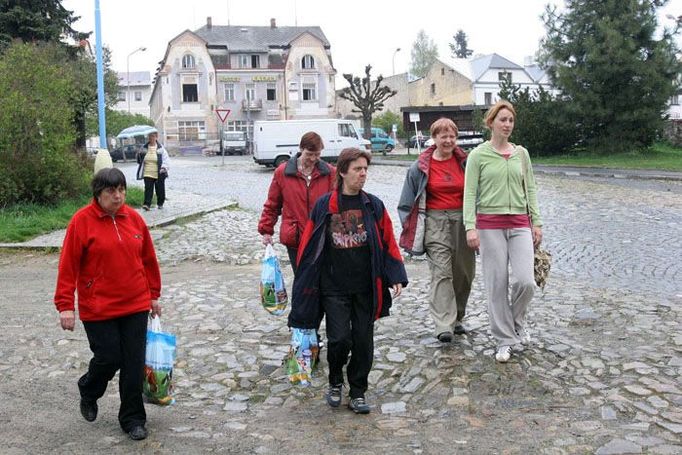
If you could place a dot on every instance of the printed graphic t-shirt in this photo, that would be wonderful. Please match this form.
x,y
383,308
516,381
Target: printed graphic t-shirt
x,y
346,267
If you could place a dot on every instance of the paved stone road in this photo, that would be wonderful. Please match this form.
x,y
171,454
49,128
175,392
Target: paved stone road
x,y
603,374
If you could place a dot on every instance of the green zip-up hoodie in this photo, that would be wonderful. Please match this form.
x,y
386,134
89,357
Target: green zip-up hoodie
x,y
493,185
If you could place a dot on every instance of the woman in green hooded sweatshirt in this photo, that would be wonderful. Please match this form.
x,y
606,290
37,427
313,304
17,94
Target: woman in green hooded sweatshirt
x,y
505,225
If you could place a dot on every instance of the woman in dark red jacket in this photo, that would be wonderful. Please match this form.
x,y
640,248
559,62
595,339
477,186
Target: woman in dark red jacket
x,y
108,259
296,186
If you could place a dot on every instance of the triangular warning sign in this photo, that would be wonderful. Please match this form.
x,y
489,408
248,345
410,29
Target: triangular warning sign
x,y
222,114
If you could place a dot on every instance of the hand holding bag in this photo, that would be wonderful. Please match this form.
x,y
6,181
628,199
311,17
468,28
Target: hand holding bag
x,y
158,368
542,262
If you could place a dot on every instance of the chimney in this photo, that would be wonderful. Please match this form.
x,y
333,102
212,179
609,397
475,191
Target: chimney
x,y
273,23
209,22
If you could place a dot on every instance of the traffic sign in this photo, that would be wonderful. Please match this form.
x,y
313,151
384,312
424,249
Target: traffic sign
x,y
414,116
222,114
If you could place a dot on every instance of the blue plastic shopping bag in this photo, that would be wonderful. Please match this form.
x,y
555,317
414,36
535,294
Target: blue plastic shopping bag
x,y
303,354
273,293
158,368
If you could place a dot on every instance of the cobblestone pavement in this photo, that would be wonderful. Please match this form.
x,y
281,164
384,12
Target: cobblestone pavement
x,y
602,376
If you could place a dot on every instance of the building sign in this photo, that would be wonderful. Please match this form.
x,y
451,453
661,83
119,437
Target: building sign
x,y
228,78
264,78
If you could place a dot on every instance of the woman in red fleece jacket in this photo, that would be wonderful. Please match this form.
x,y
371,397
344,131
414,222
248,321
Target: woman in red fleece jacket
x,y
108,258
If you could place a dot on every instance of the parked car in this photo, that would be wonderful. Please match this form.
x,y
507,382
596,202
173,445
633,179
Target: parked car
x,y
412,141
465,139
381,142
129,150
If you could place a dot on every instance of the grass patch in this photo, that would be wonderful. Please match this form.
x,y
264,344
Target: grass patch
x,y
660,157
22,222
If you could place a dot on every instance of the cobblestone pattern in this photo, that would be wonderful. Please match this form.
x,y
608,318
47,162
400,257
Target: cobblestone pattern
x,y
602,375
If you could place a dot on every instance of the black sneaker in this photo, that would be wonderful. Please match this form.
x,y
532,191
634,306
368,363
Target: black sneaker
x,y
445,337
459,328
334,395
89,410
358,405
138,433
146,208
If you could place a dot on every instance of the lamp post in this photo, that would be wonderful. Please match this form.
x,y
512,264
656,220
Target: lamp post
x,y
393,60
139,49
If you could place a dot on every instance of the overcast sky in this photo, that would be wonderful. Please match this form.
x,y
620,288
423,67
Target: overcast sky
x,y
360,32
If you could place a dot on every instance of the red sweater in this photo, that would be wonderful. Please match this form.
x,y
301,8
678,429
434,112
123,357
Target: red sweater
x,y
110,261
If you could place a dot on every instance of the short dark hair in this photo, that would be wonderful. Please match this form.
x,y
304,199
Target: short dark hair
x,y
347,156
311,141
109,177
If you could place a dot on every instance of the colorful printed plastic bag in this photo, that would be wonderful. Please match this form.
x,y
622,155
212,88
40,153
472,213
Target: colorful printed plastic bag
x,y
273,293
158,368
303,354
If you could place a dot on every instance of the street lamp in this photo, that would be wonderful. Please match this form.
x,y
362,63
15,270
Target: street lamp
x,y
393,60
139,49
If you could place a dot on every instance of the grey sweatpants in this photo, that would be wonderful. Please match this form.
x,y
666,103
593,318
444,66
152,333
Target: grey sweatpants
x,y
501,248
452,264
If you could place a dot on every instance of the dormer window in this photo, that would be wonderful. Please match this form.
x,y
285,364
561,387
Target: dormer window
x,y
188,62
307,62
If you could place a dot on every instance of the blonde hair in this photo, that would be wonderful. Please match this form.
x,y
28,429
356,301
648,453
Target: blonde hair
x,y
443,124
493,111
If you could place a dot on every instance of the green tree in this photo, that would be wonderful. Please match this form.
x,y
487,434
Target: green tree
x,y
31,21
618,75
424,54
459,48
386,121
368,96
543,125
37,163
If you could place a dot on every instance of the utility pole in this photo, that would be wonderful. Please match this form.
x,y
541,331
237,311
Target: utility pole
x,y
100,80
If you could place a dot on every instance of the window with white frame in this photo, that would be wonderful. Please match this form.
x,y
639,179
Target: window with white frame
x,y
190,93
191,130
229,92
255,61
188,61
675,100
307,62
244,61
488,98
309,91
138,96
504,76
121,96
271,93
250,92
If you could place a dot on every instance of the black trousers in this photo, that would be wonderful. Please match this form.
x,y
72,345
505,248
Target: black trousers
x,y
350,329
149,185
118,344
293,252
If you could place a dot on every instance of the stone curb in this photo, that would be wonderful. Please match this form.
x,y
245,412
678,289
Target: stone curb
x,y
572,172
151,224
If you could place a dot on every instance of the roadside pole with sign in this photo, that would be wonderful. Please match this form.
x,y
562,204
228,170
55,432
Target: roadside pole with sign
x,y
222,116
414,117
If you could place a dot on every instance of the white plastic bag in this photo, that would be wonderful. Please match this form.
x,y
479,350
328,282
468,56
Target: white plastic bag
x,y
273,293
158,368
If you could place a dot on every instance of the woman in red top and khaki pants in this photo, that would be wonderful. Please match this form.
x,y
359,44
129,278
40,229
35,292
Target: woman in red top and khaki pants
x,y
438,175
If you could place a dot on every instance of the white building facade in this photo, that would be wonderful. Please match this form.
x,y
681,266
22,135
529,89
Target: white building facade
x,y
257,73
134,92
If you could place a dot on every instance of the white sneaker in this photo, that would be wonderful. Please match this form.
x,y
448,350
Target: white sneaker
x,y
503,354
524,335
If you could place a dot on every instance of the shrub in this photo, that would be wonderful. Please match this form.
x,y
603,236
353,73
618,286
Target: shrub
x,y
37,159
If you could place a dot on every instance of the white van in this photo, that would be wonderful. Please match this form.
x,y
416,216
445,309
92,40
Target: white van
x,y
274,142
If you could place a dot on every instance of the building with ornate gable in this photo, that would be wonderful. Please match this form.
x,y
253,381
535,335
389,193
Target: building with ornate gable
x,y
258,73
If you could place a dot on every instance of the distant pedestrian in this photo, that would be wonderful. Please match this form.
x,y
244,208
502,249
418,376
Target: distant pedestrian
x,y
347,261
108,258
434,190
296,185
153,163
496,217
